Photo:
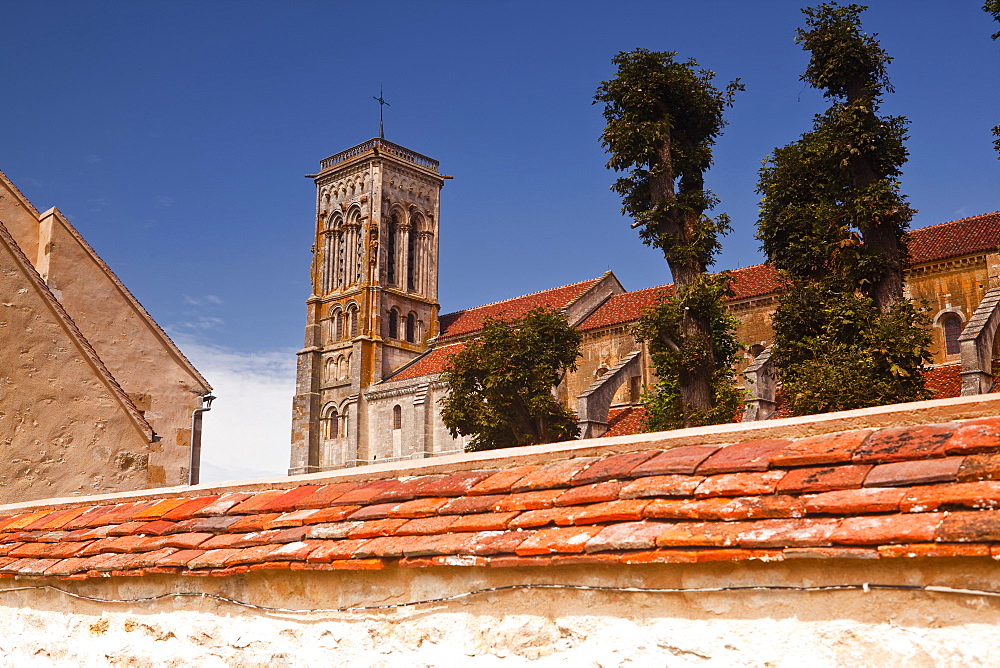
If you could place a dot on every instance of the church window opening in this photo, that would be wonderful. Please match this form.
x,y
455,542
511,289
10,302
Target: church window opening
x,y
331,425
352,317
338,318
952,330
411,328
390,251
397,417
411,259
393,324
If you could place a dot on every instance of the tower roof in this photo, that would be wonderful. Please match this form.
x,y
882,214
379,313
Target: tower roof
x,y
375,146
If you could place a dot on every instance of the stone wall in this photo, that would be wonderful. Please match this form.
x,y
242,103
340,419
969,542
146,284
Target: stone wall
x,y
518,626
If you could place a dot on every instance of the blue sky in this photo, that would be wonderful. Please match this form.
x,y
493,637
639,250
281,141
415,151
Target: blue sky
x,y
175,136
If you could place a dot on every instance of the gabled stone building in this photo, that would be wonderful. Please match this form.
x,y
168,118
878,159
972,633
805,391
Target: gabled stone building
x,y
94,396
369,375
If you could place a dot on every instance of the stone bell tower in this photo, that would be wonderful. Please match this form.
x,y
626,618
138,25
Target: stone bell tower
x,y
374,303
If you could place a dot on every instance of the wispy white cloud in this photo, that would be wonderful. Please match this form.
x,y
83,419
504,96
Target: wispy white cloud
x,y
93,158
199,323
247,433
199,301
164,200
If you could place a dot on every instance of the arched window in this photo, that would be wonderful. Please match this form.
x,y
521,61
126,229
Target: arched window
x,y
331,368
352,316
411,259
411,327
338,318
393,324
330,425
390,250
952,325
345,365
397,417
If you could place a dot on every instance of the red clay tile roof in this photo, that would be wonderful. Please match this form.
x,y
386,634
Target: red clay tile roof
x,y
625,421
752,281
432,361
624,307
898,492
945,381
470,321
956,238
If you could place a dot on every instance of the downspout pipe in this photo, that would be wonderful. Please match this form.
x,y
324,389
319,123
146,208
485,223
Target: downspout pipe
x,y
194,461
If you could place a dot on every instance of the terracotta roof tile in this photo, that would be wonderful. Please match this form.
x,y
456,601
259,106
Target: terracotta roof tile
x,y
956,238
626,421
432,361
928,491
470,321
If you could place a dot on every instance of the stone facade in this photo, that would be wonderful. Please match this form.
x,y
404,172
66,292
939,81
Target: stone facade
x,y
384,389
374,295
99,398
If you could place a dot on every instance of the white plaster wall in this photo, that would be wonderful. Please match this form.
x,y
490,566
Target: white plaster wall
x,y
517,628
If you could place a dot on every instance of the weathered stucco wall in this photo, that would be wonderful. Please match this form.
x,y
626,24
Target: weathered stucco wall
x,y
543,627
162,384
66,428
141,371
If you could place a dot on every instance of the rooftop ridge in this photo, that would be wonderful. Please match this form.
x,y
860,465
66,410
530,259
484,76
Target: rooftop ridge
x,y
952,222
528,294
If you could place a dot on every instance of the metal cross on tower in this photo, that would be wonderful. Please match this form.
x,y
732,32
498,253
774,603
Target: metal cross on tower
x,y
381,103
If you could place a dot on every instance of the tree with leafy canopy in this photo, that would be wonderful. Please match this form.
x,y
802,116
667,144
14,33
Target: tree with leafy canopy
x,y
834,223
663,117
500,384
992,7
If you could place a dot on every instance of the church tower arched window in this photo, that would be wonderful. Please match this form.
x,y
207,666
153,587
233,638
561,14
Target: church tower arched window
x,y
390,250
411,328
393,324
352,317
330,426
411,259
397,417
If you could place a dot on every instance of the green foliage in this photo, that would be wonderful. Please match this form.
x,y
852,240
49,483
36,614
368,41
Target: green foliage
x,y
663,117
836,351
833,222
676,358
500,384
992,7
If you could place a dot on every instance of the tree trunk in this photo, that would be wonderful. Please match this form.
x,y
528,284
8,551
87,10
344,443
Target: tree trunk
x,y
881,238
695,384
